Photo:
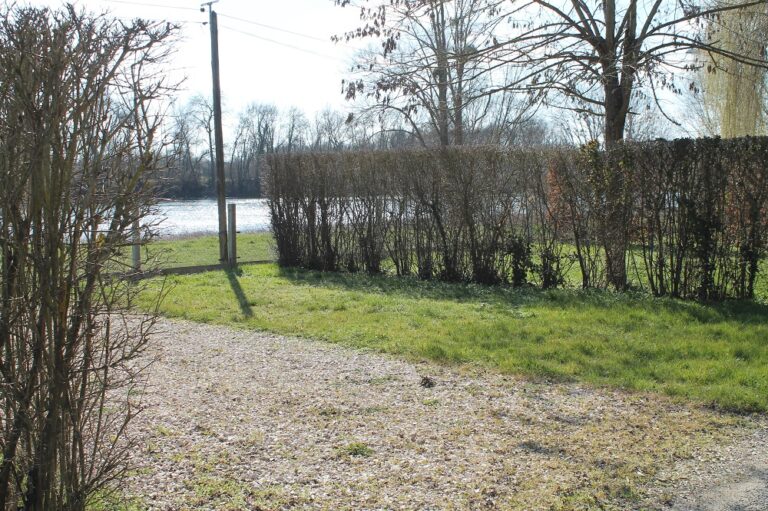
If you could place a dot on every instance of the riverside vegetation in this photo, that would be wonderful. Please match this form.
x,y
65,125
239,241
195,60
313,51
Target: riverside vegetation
x,y
415,281
562,230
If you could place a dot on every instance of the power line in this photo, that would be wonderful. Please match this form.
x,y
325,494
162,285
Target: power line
x,y
278,29
146,4
159,20
280,43
286,31
243,20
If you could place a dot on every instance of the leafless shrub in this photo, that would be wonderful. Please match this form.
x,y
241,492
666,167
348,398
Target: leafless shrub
x,y
446,214
78,151
688,216
701,216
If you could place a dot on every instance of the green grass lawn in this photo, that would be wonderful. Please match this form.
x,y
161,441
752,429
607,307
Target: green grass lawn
x,y
204,250
713,354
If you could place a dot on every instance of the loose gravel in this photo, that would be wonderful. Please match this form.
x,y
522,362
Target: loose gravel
x,y
237,419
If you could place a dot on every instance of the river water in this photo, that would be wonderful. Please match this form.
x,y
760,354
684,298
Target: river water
x,y
190,217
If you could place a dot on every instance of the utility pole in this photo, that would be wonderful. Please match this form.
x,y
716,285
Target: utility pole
x,y
221,195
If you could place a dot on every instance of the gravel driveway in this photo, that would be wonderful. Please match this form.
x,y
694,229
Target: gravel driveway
x,y
247,420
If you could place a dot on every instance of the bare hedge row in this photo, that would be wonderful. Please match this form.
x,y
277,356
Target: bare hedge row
x,y
682,218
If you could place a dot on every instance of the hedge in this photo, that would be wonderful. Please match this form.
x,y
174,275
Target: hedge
x,y
685,218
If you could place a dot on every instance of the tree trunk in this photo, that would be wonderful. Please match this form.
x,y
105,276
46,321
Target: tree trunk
x,y
615,112
441,74
615,235
458,105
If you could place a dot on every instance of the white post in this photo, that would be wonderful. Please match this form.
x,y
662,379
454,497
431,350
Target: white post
x,y
232,235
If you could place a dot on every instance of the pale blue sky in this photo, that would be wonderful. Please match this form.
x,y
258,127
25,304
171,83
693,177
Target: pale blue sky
x,y
272,51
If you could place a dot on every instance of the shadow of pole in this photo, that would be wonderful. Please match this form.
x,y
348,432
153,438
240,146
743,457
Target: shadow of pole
x,y
245,307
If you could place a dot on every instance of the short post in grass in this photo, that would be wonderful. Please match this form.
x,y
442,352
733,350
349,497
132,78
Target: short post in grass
x,y
136,247
232,234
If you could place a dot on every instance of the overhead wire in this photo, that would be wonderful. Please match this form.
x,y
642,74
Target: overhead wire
x,y
160,20
159,6
271,27
228,16
277,29
148,4
280,43
243,20
245,32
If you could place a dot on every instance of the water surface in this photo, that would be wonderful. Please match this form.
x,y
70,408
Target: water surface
x,y
189,217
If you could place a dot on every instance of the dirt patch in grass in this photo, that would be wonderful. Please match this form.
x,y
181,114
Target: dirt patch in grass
x,y
244,420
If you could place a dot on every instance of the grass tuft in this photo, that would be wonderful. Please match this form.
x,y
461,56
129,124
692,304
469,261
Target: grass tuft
x,y
357,449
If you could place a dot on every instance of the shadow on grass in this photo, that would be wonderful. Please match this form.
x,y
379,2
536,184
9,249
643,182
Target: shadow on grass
x,y
744,311
242,300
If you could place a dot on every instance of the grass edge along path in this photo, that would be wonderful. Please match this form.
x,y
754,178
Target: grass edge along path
x,y
711,354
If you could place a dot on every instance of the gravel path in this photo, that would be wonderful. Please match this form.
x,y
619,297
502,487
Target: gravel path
x,y
244,420
732,477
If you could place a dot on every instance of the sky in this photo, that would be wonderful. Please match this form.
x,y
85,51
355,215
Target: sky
x,y
271,51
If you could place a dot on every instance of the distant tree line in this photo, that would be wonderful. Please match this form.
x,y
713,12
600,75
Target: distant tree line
x,y
263,129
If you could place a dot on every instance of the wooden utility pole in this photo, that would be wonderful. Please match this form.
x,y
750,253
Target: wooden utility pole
x,y
221,195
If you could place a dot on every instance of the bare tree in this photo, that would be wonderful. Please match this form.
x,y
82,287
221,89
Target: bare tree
x,y
254,136
430,71
294,130
595,55
186,179
79,142
329,131
201,111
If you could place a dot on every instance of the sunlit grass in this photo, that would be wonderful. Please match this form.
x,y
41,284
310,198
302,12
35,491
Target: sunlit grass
x,y
204,250
713,354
